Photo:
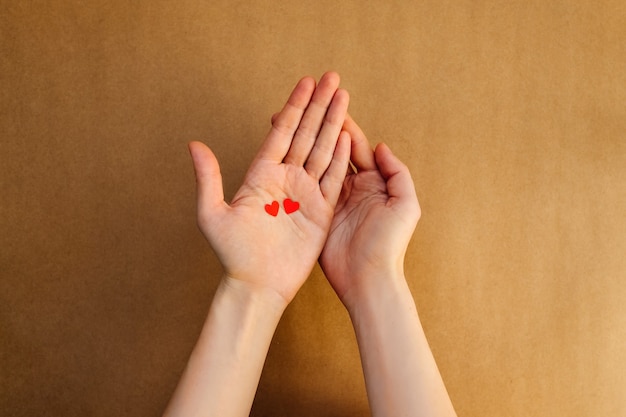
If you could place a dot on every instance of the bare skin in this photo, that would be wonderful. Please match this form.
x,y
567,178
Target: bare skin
x,y
363,260
357,224
266,258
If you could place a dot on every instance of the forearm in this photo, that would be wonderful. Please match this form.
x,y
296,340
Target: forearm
x,y
223,371
401,375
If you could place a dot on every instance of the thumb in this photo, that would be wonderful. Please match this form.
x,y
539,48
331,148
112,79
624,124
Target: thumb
x,y
399,182
208,177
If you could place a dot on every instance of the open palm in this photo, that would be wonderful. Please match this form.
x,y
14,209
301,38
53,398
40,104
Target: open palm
x,y
304,159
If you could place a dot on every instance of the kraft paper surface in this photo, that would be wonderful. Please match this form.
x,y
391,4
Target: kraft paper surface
x,y
510,115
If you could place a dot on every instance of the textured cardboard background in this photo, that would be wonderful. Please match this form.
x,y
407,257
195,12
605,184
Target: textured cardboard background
x,y
511,116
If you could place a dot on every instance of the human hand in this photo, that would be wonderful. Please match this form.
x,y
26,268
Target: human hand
x,y
304,158
374,219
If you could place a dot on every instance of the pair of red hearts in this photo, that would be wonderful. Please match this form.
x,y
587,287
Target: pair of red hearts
x,y
289,204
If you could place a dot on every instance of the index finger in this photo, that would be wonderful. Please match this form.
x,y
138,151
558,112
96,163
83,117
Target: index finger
x,y
285,123
362,154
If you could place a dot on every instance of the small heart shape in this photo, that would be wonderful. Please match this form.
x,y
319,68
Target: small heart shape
x,y
290,205
272,209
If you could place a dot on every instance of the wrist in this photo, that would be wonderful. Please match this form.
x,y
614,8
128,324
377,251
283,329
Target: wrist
x,y
376,288
225,366
246,293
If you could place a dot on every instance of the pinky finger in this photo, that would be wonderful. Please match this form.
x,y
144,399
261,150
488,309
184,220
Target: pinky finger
x,y
332,180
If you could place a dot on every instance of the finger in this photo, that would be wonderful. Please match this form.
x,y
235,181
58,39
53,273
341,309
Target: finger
x,y
362,154
286,122
312,120
274,117
208,178
399,182
332,181
322,152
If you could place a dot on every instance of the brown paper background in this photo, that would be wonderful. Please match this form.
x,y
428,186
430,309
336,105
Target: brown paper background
x,y
510,115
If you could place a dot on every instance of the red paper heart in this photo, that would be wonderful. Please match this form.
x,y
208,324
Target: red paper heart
x,y
272,209
290,206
